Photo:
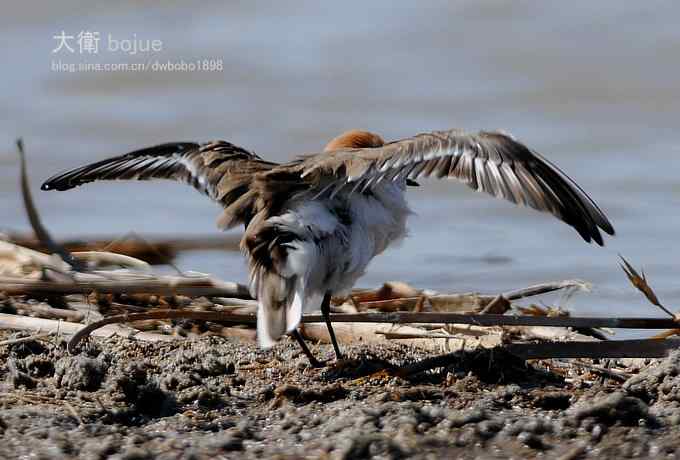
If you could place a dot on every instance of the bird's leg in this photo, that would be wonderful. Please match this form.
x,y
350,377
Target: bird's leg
x,y
326,312
312,360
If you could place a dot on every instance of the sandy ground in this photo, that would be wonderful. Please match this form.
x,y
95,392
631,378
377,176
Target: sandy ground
x,y
214,397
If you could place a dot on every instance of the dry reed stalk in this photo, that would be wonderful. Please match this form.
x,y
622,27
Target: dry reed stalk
x,y
641,284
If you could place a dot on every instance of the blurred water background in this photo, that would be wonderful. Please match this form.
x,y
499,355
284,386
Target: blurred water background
x,y
594,86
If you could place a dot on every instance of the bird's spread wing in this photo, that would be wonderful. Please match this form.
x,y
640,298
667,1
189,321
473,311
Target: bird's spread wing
x,y
492,162
219,169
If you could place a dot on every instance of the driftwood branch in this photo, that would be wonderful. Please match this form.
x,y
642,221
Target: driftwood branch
x,y
223,317
151,249
46,311
497,320
397,317
212,288
177,286
18,262
27,323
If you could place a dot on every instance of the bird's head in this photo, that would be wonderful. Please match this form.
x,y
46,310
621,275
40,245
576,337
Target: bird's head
x,y
354,139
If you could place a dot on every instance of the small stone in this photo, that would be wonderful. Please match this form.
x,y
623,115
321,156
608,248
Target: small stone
x,y
531,440
230,443
80,373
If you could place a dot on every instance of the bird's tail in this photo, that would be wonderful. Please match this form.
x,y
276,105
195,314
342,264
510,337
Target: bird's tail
x,y
280,260
279,309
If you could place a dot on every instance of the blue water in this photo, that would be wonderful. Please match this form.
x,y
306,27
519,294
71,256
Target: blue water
x,y
593,86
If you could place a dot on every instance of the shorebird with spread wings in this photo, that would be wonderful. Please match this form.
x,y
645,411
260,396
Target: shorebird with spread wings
x,y
313,225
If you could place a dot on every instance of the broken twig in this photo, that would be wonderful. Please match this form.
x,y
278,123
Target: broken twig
x,y
34,218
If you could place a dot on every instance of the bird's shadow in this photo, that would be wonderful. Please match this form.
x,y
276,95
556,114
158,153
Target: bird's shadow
x,y
489,365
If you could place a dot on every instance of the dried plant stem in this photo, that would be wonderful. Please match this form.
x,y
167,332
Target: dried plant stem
x,y
640,282
26,339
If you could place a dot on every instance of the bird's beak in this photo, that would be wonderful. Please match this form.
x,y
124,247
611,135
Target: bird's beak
x,y
412,183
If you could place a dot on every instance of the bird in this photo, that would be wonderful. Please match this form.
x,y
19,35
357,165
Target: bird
x,y
312,225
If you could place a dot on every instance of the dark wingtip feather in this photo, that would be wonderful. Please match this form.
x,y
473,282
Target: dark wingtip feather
x,y
608,228
62,181
67,180
54,183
